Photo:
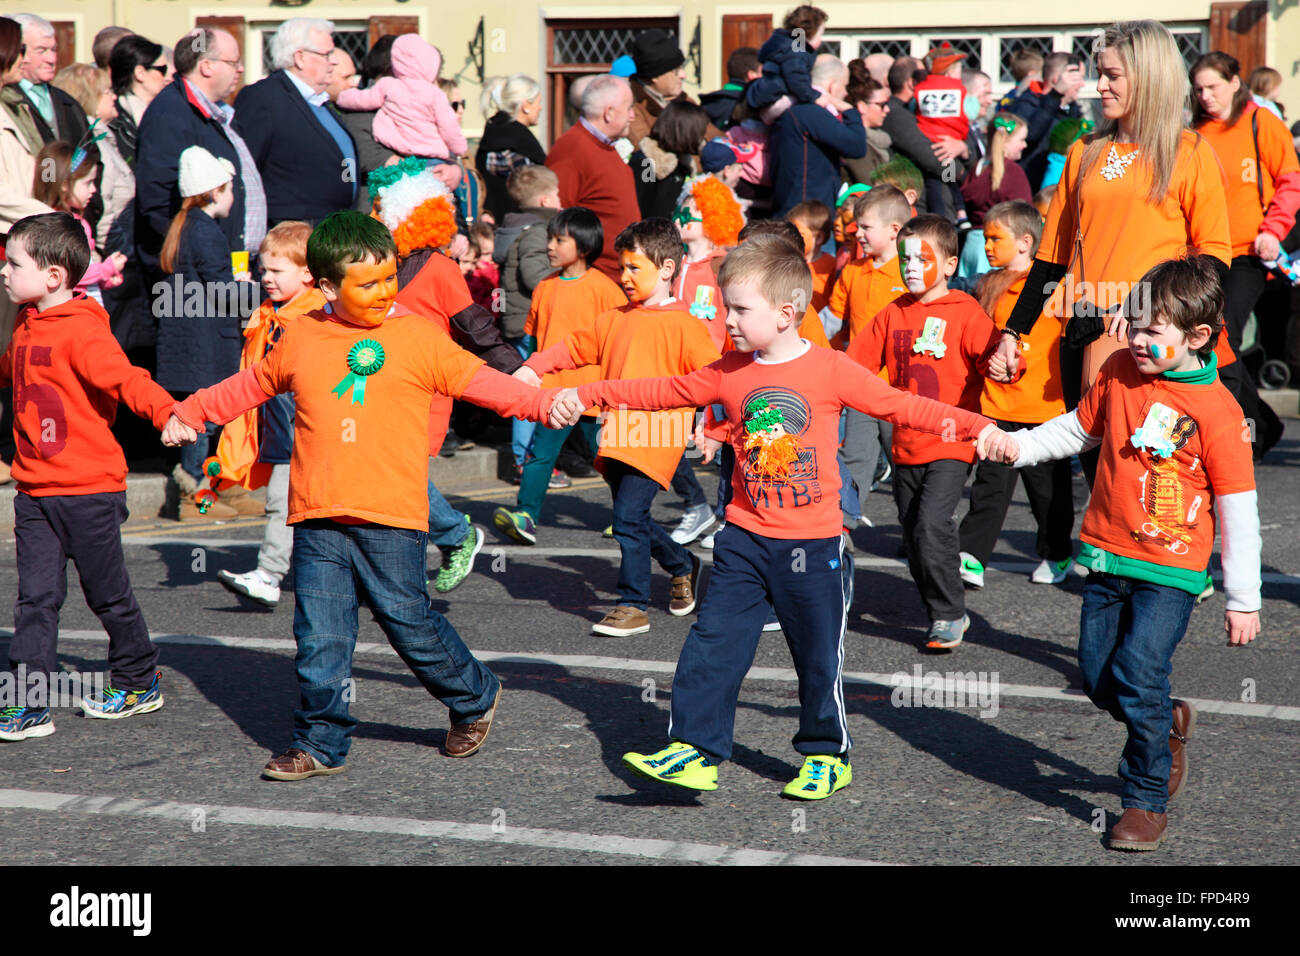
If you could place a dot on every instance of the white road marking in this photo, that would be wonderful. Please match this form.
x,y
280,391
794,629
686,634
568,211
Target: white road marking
x,y
405,826
519,552
595,662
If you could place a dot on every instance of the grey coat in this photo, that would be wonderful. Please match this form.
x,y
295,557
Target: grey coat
x,y
522,236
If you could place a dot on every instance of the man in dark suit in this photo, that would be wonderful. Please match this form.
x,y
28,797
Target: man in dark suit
x,y
57,115
190,112
306,157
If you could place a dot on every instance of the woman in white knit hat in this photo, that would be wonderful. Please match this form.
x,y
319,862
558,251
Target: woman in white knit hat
x,y
199,308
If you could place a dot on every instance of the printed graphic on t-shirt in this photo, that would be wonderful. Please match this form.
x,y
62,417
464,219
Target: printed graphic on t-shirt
x,y
939,104
1164,432
779,471
704,306
932,338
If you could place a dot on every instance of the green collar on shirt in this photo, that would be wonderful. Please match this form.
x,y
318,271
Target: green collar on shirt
x,y
733,87
1207,374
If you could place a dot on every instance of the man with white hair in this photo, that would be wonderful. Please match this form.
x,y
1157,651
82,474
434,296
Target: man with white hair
x,y
306,156
809,140
57,115
589,168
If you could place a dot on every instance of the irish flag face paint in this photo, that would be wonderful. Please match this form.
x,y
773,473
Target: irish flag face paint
x,y
1161,352
920,264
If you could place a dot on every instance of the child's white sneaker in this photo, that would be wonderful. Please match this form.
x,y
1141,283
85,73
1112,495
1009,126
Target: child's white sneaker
x,y
1051,572
972,572
255,585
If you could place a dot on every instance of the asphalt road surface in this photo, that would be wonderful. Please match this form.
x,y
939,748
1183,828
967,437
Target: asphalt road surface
x,y
1026,777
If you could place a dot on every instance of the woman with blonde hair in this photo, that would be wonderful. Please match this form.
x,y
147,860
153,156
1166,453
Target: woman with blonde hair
x,y
511,105
1140,190
996,178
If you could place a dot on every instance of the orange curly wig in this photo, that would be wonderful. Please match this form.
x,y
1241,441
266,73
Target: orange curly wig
x,y
719,210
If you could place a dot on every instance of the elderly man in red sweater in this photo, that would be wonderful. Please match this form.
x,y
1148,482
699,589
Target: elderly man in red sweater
x,y
590,170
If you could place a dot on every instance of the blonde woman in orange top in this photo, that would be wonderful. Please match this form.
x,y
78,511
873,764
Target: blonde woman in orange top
x,y
1138,191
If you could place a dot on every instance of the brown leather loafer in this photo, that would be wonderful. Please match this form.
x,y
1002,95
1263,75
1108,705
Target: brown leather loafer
x,y
1138,830
464,739
685,590
295,764
1184,724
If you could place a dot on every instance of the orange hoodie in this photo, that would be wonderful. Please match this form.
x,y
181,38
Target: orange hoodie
x,y
68,375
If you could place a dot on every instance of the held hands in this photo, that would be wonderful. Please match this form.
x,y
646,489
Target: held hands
x,y
176,433
1267,247
566,409
527,376
996,445
1005,360
708,446
1242,627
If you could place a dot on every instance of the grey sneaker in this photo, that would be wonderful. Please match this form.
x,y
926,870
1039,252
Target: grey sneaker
x,y
946,635
694,523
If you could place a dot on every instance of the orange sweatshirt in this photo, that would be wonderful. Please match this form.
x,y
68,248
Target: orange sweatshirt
x,y
561,306
696,287
1035,396
785,429
68,375
822,268
364,460
638,341
1278,176
936,350
437,292
861,291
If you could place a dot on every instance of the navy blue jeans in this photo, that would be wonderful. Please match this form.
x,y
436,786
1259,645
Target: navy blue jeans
x,y
447,526
1128,630
752,574
339,566
638,537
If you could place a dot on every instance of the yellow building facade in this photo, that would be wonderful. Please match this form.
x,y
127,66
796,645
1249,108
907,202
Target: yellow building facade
x,y
556,42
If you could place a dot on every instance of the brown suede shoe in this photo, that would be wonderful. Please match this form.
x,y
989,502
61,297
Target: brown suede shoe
x,y
295,764
685,591
464,739
623,621
1184,724
238,498
1138,830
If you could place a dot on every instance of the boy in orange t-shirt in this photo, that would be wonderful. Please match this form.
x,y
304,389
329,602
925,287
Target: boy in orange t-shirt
x,y
1011,234
363,372
813,220
639,451
68,375
866,286
1175,461
782,398
933,342
562,303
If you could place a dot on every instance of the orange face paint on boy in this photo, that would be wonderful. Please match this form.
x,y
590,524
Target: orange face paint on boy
x,y
920,264
999,245
366,294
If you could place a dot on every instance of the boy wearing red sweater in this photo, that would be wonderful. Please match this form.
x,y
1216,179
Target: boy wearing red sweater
x,y
1175,462
782,538
363,373
68,375
652,335
931,341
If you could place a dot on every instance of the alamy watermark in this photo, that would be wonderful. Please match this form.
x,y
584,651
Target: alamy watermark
x,y
181,298
954,689
37,689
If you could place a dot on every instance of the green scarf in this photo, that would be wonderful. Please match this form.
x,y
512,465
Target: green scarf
x,y
20,111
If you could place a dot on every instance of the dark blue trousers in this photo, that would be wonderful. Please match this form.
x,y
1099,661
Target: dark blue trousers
x,y
801,580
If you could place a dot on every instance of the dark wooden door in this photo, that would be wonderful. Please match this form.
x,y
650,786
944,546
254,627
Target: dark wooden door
x,y
743,29
65,41
383,26
1238,30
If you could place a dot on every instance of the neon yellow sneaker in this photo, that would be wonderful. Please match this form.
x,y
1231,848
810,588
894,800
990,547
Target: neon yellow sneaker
x,y
679,764
820,776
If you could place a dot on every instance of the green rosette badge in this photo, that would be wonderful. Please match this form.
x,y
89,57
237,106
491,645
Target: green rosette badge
x,y
365,358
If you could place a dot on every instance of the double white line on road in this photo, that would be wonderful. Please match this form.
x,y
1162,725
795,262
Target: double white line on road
x,y
671,850
592,662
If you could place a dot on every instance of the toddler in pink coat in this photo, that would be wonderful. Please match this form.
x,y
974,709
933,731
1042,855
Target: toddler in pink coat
x,y
415,118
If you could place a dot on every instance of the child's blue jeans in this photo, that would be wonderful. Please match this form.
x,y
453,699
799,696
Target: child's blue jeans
x,y
1128,630
338,567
